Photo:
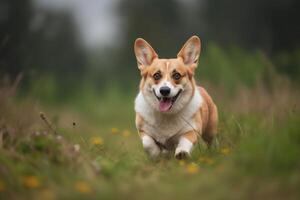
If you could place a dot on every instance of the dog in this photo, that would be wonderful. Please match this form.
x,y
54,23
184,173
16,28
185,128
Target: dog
x,y
172,112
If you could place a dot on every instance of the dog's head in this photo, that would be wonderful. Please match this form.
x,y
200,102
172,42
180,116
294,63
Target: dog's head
x,y
167,84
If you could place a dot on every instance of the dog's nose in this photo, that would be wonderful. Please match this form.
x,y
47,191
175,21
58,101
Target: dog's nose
x,y
165,91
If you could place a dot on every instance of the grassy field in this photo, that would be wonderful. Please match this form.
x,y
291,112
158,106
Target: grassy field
x,y
91,150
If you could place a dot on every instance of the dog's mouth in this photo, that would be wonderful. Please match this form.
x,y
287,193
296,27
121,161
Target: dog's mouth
x,y
166,103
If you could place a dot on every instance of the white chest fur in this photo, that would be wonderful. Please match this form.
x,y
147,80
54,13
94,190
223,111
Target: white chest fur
x,y
164,126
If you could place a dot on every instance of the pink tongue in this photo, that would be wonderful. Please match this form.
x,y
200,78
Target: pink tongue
x,y
165,105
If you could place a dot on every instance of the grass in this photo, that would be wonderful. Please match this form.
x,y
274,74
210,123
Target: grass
x,y
96,153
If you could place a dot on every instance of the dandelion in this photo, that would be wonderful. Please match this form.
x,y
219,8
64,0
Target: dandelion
x,y
31,182
225,151
206,160
210,161
97,140
82,187
114,130
192,168
126,133
182,162
2,186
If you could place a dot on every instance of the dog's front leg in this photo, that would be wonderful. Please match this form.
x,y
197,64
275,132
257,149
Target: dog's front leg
x,y
185,145
150,146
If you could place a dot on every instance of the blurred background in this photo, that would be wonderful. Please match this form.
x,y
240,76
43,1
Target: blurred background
x,y
68,79
62,47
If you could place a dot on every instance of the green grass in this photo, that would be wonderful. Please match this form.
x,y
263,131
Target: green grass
x,y
258,155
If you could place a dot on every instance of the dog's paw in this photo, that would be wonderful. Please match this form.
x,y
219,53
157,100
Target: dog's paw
x,y
153,151
181,154
150,147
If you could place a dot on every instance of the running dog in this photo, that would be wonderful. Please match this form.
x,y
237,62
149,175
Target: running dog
x,y
172,112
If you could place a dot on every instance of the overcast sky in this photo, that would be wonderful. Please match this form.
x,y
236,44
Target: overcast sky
x,y
97,20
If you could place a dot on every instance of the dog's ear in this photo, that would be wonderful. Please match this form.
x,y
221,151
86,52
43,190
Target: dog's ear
x,y
144,53
190,51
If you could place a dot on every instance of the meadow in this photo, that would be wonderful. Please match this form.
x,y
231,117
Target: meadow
x,y
88,148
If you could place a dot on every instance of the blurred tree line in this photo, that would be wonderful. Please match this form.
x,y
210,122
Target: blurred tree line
x,y
39,44
42,43
272,26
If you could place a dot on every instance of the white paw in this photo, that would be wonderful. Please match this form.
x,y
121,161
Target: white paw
x,y
181,154
183,149
150,147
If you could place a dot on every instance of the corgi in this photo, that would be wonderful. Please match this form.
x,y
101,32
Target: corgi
x,y
172,112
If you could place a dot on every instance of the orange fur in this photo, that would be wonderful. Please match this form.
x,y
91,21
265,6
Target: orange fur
x,y
209,117
191,136
205,117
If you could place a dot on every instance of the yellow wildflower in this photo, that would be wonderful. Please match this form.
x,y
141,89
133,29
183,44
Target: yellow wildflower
x,y
97,140
225,151
82,187
114,130
2,186
202,159
31,182
206,160
182,162
126,133
192,168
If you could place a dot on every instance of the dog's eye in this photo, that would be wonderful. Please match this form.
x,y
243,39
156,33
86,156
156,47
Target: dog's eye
x,y
157,76
176,76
